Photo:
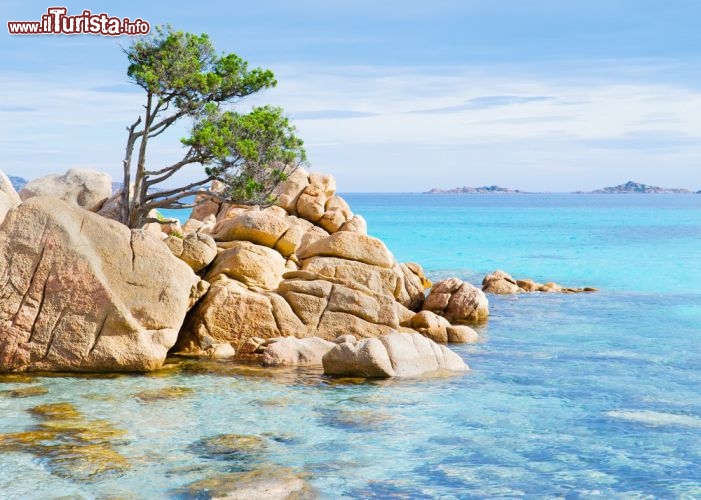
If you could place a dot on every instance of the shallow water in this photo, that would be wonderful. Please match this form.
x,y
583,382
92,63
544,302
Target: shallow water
x,y
569,395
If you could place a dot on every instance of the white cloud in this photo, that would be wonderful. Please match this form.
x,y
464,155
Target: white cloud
x,y
362,125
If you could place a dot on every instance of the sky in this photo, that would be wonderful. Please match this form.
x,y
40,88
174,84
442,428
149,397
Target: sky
x,y
538,95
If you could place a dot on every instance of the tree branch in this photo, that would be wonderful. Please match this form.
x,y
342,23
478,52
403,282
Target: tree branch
x,y
188,189
172,200
167,122
169,171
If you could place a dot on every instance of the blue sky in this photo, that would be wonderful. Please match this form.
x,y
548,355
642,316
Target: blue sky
x,y
396,96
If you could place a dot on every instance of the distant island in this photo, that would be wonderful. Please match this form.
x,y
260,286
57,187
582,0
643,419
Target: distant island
x,y
636,187
626,188
473,190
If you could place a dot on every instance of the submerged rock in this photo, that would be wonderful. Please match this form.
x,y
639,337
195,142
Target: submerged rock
x,y
392,355
25,392
269,483
71,446
243,451
84,293
165,393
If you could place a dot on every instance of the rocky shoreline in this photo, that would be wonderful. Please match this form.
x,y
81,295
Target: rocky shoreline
x,y
297,283
83,293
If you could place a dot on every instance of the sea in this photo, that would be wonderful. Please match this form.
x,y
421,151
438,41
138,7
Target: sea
x,y
592,395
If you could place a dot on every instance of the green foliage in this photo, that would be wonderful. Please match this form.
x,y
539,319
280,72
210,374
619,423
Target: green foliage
x,y
250,153
184,69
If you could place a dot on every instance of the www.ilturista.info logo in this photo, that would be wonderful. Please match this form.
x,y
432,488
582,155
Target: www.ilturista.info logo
x,y
56,21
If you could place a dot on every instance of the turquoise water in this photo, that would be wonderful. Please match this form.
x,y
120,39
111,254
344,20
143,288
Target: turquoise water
x,y
576,396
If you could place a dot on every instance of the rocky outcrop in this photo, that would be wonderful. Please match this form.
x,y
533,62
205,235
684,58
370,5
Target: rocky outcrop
x,y
458,302
303,268
8,196
86,188
83,293
295,279
501,283
392,355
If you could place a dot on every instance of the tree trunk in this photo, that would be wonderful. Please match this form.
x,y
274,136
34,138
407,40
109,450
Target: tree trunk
x,y
137,197
126,195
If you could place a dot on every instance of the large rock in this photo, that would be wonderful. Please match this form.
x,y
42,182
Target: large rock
x,y
86,188
262,227
292,239
461,334
351,246
337,213
392,355
378,279
198,251
356,225
293,351
83,293
8,196
457,301
204,207
288,192
112,207
430,325
252,265
413,285
332,308
229,312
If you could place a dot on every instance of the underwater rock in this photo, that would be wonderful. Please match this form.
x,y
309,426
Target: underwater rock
x,y
71,446
241,450
269,483
164,393
25,392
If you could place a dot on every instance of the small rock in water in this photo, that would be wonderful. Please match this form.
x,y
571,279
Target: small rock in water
x,y
268,483
501,283
26,392
163,394
240,449
73,447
